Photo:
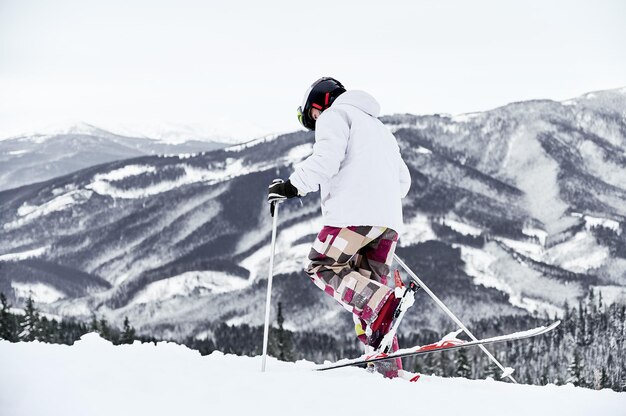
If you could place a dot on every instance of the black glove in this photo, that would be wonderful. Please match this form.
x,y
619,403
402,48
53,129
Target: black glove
x,y
279,191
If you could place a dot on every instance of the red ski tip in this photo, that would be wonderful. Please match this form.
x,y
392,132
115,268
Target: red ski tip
x,y
414,379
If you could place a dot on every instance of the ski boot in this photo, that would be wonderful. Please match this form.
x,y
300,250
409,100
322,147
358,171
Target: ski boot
x,y
383,330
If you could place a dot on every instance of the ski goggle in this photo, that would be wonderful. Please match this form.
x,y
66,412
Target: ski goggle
x,y
300,116
305,119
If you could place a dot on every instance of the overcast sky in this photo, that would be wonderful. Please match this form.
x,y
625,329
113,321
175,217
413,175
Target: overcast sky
x,y
240,68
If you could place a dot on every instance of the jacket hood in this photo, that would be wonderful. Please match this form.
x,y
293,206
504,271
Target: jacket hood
x,y
361,100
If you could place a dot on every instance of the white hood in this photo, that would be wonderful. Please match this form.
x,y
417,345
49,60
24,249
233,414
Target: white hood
x,y
361,100
356,164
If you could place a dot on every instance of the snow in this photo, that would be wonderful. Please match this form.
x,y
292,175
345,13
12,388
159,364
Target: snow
x,y
251,143
599,165
23,255
464,118
416,230
450,128
287,256
183,156
527,289
41,293
189,282
217,129
299,153
17,152
120,262
79,127
611,293
477,263
123,173
598,222
169,379
41,133
420,125
535,173
462,228
63,190
532,250
158,130
541,235
231,168
579,254
61,202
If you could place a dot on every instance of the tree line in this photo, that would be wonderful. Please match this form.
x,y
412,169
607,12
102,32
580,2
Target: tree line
x,y
31,325
587,349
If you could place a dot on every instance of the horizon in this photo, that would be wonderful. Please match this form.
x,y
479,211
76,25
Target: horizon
x,y
175,137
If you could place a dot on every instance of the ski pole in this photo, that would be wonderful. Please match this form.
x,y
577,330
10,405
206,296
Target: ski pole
x,y
269,286
505,372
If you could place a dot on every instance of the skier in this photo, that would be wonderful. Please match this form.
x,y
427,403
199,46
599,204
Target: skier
x,y
356,164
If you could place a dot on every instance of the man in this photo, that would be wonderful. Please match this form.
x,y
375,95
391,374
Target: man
x,y
362,178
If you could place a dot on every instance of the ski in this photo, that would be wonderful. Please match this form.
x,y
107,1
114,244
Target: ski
x,y
446,344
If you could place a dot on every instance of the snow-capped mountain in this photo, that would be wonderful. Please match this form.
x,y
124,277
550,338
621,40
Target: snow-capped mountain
x,y
41,156
511,211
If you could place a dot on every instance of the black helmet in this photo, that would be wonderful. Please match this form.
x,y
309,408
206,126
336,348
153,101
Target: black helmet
x,y
321,95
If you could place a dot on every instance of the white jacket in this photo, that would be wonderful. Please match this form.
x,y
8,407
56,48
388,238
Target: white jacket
x,y
356,163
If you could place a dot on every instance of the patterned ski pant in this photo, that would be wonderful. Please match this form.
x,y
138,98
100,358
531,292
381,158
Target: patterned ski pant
x,y
351,264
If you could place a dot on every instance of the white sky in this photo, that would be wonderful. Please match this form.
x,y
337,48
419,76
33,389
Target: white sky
x,y
240,68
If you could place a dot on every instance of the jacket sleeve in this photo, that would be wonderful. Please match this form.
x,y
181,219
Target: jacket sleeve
x,y
405,179
331,140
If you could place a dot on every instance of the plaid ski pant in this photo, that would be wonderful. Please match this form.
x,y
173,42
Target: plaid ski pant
x,y
351,264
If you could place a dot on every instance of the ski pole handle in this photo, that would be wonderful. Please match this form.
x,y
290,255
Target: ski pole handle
x,y
274,203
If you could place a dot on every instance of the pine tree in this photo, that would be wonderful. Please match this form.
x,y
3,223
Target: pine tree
x,y
8,326
283,340
575,370
128,335
491,370
44,333
463,367
444,363
604,380
104,329
30,323
93,325
55,333
430,365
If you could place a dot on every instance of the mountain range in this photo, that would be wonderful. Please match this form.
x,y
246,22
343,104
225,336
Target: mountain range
x,y
516,210
37,157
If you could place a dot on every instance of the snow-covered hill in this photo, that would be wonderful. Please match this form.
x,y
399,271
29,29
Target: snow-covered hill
x,y
511,211
93,377
37,157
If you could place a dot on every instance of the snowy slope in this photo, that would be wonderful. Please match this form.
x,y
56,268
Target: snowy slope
x,y
94,378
